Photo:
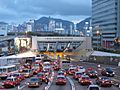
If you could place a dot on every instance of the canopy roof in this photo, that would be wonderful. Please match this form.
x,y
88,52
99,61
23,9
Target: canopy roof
x,y
99,53
22,55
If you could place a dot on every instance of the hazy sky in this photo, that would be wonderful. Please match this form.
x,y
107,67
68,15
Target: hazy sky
x,y
22,10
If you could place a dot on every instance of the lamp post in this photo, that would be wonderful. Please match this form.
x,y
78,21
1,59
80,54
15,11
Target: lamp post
x,y
26,33
77,32
97,32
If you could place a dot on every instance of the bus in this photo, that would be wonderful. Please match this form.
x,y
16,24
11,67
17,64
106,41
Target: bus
x,y
5,71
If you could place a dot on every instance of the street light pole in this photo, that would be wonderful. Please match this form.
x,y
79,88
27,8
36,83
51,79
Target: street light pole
x,y
97,32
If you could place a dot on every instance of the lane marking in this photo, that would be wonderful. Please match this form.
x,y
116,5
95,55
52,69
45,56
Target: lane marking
x,y
20,88
50,82
71,83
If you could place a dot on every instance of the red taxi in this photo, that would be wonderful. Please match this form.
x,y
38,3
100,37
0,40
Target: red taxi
x,y
71,70
61,80
62,73
85,80
11,82
18,76
56,67
41,76
77,75
104,81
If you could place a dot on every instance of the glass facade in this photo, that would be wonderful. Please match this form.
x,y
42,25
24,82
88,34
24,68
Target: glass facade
x,y
105,16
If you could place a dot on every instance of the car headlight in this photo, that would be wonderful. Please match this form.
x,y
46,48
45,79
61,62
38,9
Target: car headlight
x,y
113,72
36,83
107,73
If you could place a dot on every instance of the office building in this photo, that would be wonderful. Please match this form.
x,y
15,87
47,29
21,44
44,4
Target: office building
x,y
105,23
3,29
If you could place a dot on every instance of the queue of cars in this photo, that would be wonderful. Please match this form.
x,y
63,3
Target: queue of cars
x,y
38,72
85,75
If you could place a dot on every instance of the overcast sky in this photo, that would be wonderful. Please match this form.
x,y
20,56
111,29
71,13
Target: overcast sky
x,y
22,10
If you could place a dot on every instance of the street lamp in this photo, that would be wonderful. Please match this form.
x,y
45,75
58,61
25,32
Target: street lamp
x,y
77,32
97,32
26,33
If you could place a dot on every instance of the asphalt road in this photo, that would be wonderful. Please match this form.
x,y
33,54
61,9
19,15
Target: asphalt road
x,y
53,86
60,87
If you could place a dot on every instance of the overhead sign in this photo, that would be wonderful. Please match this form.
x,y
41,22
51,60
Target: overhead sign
x,y
60,38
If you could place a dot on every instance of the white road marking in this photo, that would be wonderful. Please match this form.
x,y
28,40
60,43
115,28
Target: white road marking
x,y
50,82
20,88
72,83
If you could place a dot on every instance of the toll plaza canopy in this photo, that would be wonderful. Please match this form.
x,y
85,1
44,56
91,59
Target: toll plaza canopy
x,y
99,53
21,55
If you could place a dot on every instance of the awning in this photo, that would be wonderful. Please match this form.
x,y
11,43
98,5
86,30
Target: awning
x,y
21,55
99,53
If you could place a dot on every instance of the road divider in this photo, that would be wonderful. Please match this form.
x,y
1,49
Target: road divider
x,y
116,83
50,82
20,87
71,83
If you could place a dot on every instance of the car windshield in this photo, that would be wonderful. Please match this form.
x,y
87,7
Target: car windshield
x,y
26,71
40,74
85,77
81,67
93,72
94,88
109,69
60,78
15,74
60,73
78,73
34,79
71,69
36,65
104,78
9,79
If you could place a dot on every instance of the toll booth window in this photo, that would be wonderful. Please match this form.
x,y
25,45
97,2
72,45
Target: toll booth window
x,y
44,47
62,47
74,47
1,70
4,70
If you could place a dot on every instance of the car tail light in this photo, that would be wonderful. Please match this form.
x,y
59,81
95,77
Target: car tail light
x,y
82,81
103,81
11,83
75,76
2,83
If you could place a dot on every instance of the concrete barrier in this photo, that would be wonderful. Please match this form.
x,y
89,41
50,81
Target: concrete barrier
x,y
50,82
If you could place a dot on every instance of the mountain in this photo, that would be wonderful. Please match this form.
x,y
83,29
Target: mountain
x,y
44,23
81,25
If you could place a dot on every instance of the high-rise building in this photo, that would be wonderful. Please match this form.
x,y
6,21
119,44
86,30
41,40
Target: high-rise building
x,y
51,25
3,29
30,26
105,23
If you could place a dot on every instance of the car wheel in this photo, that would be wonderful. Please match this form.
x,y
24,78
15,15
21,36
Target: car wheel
x,y
100,84
14,85
110,85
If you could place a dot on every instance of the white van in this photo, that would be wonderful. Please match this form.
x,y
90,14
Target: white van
x,y
94,87
46,65
39,56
